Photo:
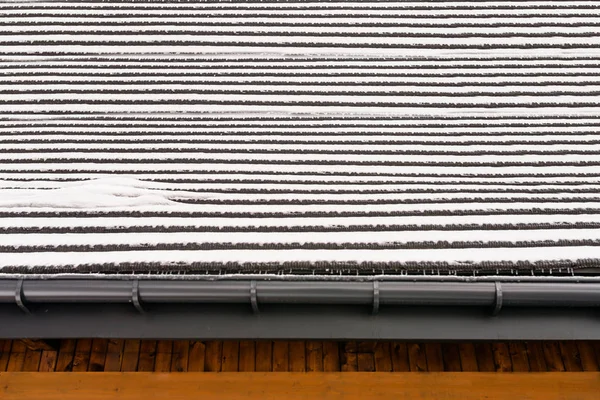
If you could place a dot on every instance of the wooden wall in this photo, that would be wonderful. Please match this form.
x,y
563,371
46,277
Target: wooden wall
x,y
299,356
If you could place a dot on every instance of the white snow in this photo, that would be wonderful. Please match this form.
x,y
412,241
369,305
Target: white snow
x,y
98,193
173,258
123,222
152,238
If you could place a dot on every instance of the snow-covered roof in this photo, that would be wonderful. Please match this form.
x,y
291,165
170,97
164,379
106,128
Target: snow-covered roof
x,y
298,137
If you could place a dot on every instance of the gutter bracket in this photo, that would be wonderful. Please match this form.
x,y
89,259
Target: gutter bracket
x,y
135,296
19,297
253,297
375,310
498,300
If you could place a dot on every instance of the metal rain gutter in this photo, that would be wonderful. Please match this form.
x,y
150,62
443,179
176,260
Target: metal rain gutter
x,y
386,293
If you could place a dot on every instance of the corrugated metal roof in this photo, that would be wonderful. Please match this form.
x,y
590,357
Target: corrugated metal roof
x,y
294,136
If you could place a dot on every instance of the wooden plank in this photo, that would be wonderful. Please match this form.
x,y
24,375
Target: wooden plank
x,y
314,356
66,353
502,359
434,357
570,355
535,354
32,360
349,358
114,355
231,356
400,357
131,355
596,346
213,356
83,350
164,354
366,362
264,355
18,347
48,361
147,356
17,356
98,355
331,356
365,357
196,358
417,359
38,344
366,347
247,356
290,386
281,356
518,356
552,356
5,346
297,356
451,354
588,356
181,356
383,357
468,357
485,357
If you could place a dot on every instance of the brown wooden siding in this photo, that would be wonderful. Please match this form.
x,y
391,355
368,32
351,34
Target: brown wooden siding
x,y
300,356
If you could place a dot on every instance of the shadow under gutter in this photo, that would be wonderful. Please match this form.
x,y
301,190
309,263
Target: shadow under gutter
x,y
297,309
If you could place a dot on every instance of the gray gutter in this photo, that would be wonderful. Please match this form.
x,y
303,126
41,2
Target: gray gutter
x,y
309,309
385,293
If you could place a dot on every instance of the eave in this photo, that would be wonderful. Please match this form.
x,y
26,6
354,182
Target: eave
x,y
263,307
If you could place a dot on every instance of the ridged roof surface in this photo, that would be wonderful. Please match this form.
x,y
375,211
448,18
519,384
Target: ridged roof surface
x,y
299,137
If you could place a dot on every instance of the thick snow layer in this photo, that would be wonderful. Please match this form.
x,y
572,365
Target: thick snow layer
x,y
97,193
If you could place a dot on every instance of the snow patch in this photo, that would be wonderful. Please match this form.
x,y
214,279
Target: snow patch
x,y
96,193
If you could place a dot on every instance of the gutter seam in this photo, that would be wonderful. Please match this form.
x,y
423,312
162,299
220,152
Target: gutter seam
x,y
498,299
19,297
